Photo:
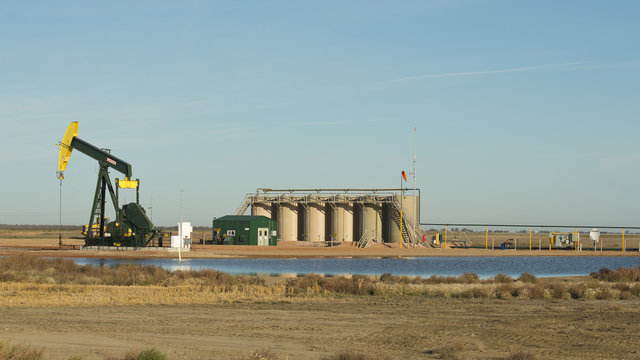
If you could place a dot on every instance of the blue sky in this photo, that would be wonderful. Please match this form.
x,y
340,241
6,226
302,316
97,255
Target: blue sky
x,y
526,111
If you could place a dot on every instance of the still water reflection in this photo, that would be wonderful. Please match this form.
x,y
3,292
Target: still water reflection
x,y
426,266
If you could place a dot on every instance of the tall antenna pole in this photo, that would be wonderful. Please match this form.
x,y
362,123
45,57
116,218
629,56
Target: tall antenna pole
x,y
414,185
401,208
181,198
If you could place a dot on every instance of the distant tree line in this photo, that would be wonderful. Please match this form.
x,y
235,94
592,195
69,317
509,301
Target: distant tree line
x,y
32,226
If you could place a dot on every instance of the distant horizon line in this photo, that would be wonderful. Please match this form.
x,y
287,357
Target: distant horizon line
x,y
73,226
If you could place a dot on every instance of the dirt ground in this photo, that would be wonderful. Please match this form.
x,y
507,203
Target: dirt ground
x,y
44,242
398,328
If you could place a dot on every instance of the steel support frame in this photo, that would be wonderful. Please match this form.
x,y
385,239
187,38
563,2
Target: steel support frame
x,y
102,184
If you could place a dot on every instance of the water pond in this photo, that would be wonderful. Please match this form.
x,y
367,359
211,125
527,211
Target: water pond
x,y
485,267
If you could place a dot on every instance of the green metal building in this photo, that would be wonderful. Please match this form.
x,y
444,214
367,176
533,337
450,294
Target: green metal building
x,y
245,230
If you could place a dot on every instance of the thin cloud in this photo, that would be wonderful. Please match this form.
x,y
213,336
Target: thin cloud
x,y
338,122
485,72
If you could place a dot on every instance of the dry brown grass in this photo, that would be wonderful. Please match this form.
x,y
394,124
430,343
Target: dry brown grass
x,y
45,295
618,275
503,279
352,355
263,354
149,354
505,291
521,355
20,352
448,352
466,278
577,291
39,270
34,281
474,292
527,278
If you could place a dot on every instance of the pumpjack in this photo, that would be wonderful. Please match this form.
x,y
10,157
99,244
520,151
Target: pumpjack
x,y
131,226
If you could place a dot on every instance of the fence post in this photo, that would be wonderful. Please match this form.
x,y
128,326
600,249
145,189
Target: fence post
x,y
445,236
486,238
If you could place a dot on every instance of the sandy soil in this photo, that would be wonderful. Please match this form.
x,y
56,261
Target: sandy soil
x,y
397,328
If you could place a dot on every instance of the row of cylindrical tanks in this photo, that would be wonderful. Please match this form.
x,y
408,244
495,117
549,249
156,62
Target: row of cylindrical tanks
x,y
341,218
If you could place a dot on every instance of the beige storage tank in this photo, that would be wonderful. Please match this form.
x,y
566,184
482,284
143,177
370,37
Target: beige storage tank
x,y
287,220
411,206
392,230
262,208
392,216
314,220
371,219
342,220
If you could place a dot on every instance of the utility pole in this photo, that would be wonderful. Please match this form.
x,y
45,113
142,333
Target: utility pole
x,y
401,208
180,229
60,219
414,186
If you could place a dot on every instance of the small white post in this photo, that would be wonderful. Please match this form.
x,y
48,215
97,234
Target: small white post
x,y
180,229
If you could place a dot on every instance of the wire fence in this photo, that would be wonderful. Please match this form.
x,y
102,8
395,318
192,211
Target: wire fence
x,y
533,236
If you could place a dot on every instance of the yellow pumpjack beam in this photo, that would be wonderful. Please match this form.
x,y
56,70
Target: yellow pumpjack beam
x,y
65,148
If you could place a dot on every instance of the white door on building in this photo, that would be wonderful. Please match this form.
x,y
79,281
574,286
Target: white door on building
x,y
263,236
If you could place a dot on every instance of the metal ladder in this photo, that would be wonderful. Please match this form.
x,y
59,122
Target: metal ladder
x,y
407,231
244,205
365,239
